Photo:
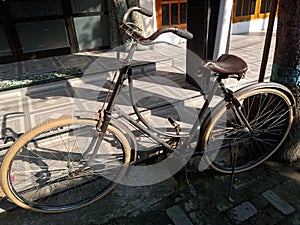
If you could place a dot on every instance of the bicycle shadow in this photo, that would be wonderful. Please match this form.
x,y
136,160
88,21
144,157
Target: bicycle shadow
x,y
9,134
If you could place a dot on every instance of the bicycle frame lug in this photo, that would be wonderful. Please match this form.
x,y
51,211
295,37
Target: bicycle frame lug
x,y
175,125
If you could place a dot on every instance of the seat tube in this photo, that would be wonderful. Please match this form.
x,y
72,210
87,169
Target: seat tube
x,y
207,102
114,97
202,113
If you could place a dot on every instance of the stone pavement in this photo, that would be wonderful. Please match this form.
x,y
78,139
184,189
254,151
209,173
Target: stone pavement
x,y
268,194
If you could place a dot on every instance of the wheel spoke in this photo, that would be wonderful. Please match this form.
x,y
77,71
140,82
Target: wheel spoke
x,y
57,166
269,116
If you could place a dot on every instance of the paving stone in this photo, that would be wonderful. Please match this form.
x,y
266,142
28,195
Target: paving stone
x,y
242,212
177,216
296,220
6,206
278,203
197,217
259,202
269,216
223,205
281,189
191,205
240,182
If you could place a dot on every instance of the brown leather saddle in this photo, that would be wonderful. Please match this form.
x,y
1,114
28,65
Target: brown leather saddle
x,y
227,65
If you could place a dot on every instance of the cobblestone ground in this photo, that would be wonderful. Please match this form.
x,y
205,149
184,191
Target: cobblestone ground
x,y
267,195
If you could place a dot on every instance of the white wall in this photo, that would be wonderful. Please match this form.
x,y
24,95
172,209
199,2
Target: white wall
x,y
252,26
149,22
224,23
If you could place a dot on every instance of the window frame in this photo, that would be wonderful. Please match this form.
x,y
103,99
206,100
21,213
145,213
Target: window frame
x,y
248,17
257,14
160,3
263,15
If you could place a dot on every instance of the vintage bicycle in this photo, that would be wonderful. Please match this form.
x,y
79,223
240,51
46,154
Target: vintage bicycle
x,y
70,162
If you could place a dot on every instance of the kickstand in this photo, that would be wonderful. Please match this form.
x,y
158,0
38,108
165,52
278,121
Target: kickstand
x,y
234,148
190,186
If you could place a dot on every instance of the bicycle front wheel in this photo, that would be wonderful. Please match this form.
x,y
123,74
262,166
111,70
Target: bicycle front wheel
x,y
62,165
269,114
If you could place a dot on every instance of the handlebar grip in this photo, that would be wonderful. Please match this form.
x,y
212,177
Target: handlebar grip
x,y
145,12
184,33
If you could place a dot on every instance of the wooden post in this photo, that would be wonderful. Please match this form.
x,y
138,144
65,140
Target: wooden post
x,y
67,11
268,41
10,30
202,22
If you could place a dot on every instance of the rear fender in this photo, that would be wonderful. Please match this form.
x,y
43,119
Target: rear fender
x,y
277,86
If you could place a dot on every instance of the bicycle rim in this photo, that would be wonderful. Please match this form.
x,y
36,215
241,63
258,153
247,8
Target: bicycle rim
x,y
54,167
269,114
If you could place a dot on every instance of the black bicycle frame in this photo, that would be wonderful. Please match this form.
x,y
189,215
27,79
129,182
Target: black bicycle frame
x,y
126,73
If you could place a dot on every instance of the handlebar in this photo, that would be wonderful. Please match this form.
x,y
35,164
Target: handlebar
x,y
143,11
135,32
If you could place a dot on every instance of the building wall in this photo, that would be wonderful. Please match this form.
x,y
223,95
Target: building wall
x,y
33,29
149,22
90,27
256,25
250,16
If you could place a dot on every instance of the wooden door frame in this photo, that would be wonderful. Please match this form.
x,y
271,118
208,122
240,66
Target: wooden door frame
x,y
69,22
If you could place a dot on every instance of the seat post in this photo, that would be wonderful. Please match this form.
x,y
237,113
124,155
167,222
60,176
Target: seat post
x,y
222,85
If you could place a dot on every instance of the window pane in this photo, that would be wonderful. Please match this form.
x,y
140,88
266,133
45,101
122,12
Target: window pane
x,y
174,14
183,11
49,34
4,46
263,6
238,10
85,6
268,8
252,7
36,8
165,15
246,8
92,31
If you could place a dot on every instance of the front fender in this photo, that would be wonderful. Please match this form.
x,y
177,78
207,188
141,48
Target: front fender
x,y
129,135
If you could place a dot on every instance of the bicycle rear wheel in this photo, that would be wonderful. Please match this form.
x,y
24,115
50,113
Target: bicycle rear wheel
x,y
62,165
270,116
